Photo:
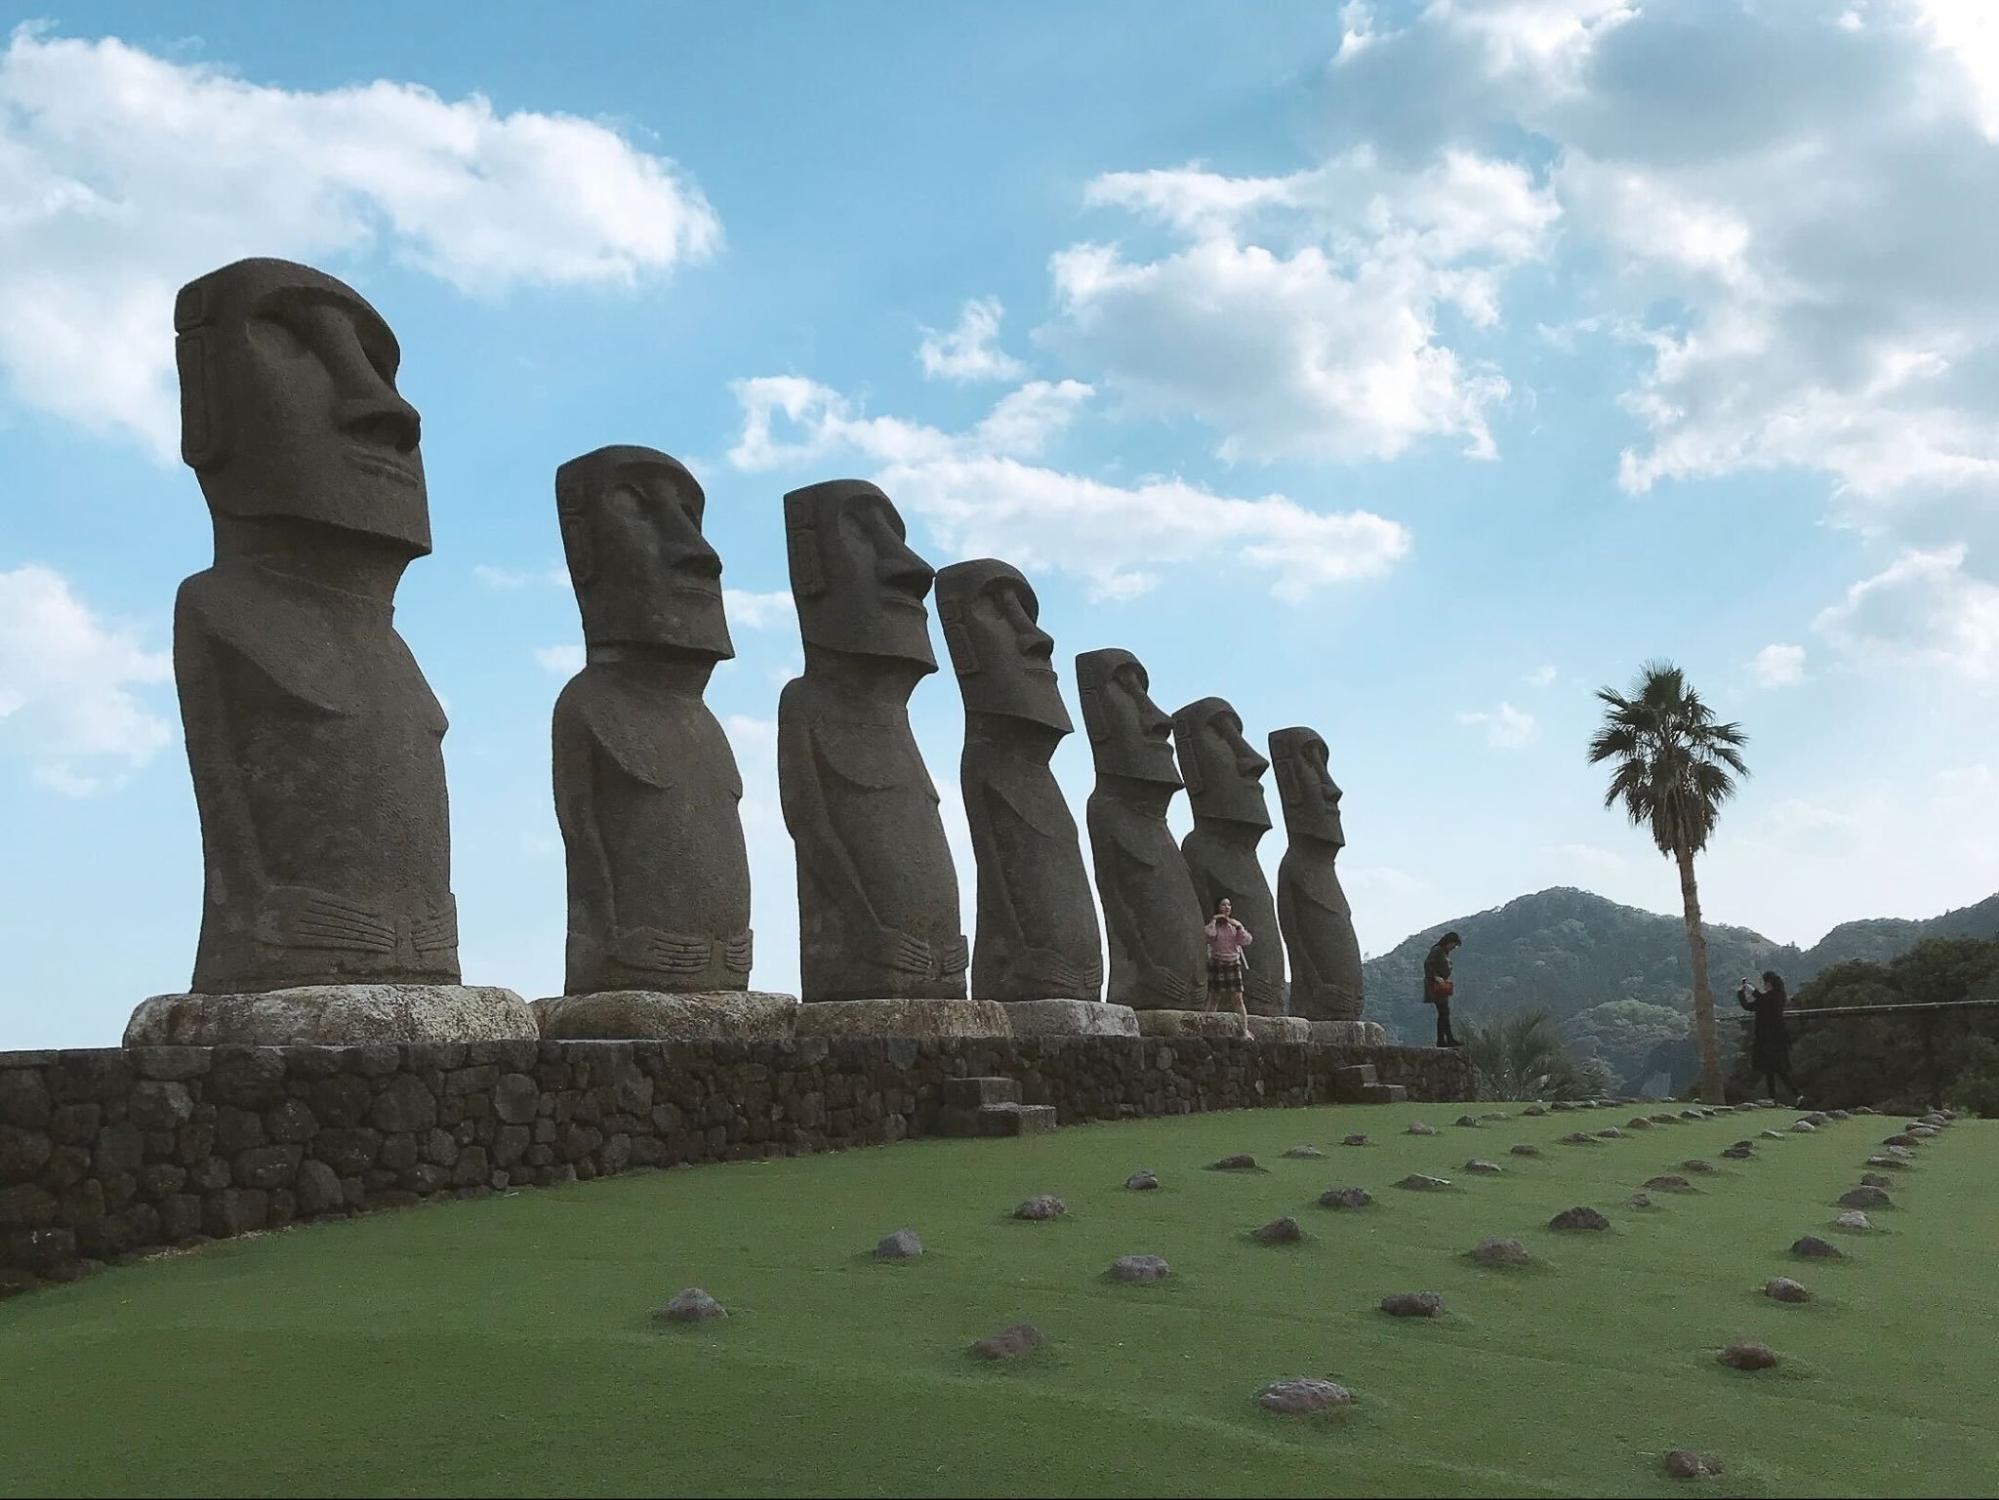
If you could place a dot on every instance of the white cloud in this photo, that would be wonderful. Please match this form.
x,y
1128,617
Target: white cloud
x,y
750,610
1590,857
1299,317
971,350
509,579
1542,676
1923,607
979,497
561,661
1506,727
72,684
1807,828
124,174
1778,665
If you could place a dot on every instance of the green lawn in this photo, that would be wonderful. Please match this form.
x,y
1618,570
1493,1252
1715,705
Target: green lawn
x,y
506,1346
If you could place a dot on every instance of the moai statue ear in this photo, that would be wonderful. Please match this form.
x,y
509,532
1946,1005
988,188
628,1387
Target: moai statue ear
x,y
577,548
1096,723
957,639
1186,746
808,577
1287,782
203,418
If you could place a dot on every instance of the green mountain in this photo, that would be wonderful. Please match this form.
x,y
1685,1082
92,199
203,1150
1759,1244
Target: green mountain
x,y
1617,978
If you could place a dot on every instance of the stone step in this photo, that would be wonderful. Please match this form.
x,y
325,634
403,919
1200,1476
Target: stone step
x,y
1015,1119
1372,1093
970,1093
1357,1077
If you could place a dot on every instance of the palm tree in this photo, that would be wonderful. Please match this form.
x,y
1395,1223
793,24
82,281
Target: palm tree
x,y
1673,768
1522,1056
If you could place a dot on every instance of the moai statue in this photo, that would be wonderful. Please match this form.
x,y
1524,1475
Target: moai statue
x,y
1224,778
1311,907
877,896
1037,936
315,743
646,786
1153,918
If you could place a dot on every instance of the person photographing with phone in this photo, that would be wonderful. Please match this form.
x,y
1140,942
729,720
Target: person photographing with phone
x,y
1437,985
1769,1041
1226,939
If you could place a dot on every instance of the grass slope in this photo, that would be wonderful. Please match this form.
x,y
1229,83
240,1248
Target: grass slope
x,y
505,1346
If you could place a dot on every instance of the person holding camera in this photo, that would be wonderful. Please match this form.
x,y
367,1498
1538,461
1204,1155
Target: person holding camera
x,y
1769,1039
1437,985
1226,939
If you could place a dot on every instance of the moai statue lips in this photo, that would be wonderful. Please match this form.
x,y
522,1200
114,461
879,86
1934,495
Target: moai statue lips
x,y
1224,778
878,897
1037,935
1151,912
646,786
1326,978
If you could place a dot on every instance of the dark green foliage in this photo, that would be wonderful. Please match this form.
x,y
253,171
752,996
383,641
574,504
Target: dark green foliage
x,y
1523,1056
1977,1088
1625,1035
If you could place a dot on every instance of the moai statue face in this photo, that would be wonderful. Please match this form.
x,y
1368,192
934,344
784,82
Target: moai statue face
x,y
857,585
644,574
1224,775
289,407
1003,658
1129,736
1311,798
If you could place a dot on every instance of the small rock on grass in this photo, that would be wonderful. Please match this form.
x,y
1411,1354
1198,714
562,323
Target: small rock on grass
x,y
1304,1153
1242,1161
1419,1128
1495,1114
1284,1231
1533,1111
1417,1182
1016,1338
1413,1305
691,1305
1873,1179
1303,1397
1637,1122
1356,1139
1579,1138
1783,1289
1141,1182
1773,1135
1499,1252
1664,1119
1041,1206
1684,1463
1140,1268
1579,1218
1867,1195
1483,1168
1853,1218
1610,1133
1469,1121
1803,1127
1811,1247
902,1245
1697,1166
1345,1197
1523,1149
1738,1153
1749,1357
1902,1139
1638,1200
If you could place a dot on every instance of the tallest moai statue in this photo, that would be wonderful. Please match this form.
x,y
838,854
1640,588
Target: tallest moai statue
x,y
314,741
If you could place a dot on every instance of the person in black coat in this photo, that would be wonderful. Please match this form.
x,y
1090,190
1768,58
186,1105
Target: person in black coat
x,y
1437,985
1770,1041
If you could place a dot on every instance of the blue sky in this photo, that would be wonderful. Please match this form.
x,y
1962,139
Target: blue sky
x,y
1405,371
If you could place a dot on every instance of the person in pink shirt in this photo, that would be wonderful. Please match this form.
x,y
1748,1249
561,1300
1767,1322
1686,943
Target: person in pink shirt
x,y
1226,939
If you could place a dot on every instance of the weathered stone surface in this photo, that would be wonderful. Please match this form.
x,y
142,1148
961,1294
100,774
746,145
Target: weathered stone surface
x,y
1037,936
1873,1179
1356,1139
1217,1024
1241,1162
715,1015
1312,907
877,891
1054,1017
1413,1305
901,1245
1480,1168
1802,1127
1224,780
1041,1206
1670,1182
1638,1122
1866,1196
1284,1231
1638,1200
1500,1252
1305,1153
1140,1268
1698,1167
1013,1340
405,1105
1345,1197
1853,1218
1684,1463
1141,1182
1811,1247
1611,1134
1525,1149
1419,1128
333,1013
903,1018
1303,1397
1533,1111
1579,1218
1466,1122
1349,1033
1749,1357
691,1305
646,786
1783,1289
1279,1028
1417,1182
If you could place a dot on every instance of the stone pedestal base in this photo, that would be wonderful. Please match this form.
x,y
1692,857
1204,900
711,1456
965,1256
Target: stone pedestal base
x,y
1350,1033
707,1016
1280,1028
334,1015
1203,1023
1070,1018
911,1018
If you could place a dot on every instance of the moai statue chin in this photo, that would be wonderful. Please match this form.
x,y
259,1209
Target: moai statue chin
x,y
877,896
1151,913
1311,907
314,741
646,786
1224,778
1037,935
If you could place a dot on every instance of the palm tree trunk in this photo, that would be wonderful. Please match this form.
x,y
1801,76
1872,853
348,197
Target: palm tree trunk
x,y
1690,897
